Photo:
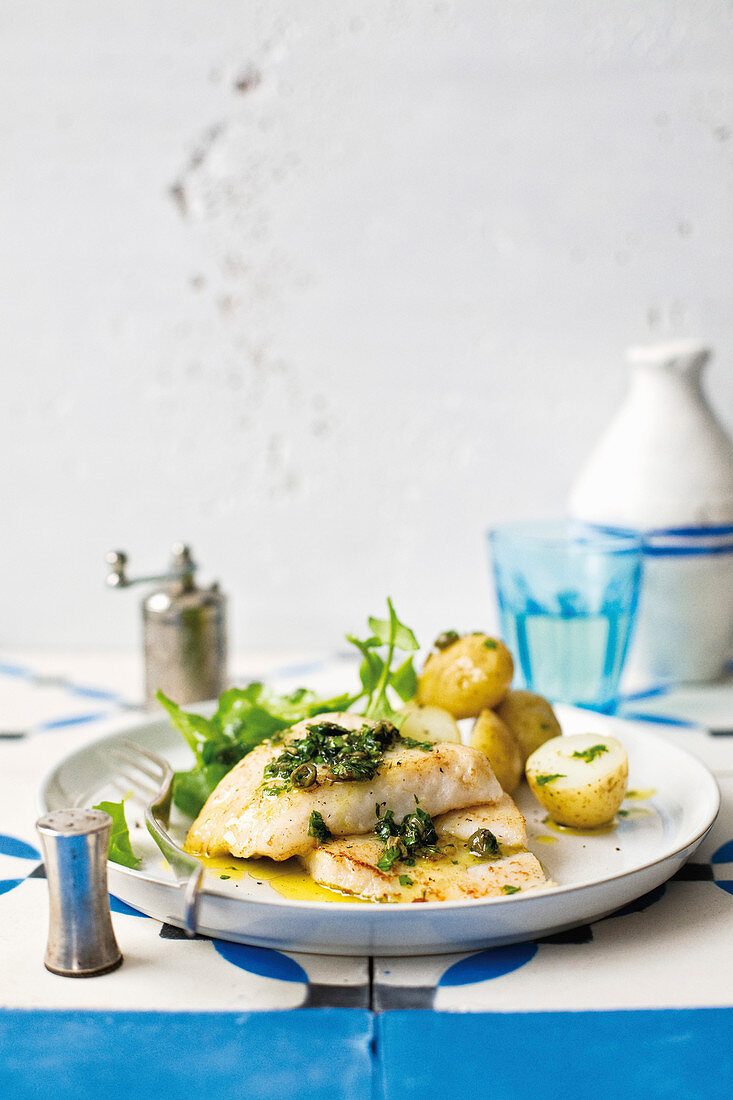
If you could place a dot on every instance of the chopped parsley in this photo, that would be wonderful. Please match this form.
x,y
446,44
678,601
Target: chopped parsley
x,y
490,644
317,828
411,743
543,780
415,835
389,857
347,754
590,754
510,889
405,880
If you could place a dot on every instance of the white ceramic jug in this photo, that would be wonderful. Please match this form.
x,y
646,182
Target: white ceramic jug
x,y
664,468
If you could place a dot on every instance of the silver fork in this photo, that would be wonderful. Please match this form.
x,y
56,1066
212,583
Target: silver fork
x,y
152,781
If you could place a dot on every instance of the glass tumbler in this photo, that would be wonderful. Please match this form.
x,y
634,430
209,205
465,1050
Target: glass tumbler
x,y
567,595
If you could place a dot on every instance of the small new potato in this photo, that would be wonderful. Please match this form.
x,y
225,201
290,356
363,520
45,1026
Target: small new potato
x,y
492,737
468,675
580,780
530,718
429,724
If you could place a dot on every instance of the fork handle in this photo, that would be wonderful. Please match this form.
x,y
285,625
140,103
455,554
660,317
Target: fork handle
x,y
185,867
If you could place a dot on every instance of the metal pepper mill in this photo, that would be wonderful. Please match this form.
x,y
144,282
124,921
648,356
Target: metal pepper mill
x,y
184,630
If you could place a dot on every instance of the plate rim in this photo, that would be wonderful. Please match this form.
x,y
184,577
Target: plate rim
x,y
535,895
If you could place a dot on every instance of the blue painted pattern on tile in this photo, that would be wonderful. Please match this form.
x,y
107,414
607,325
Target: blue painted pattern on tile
x,y
721,856
15,670
264,961
74,720
485,965
312,1054
724,854
119,906
638,905
13,846
8,884
682,1054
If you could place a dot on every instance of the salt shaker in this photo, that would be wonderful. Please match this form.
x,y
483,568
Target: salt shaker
x,y
81,940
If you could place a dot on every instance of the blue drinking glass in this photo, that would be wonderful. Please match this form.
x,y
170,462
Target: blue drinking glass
x,y
567,596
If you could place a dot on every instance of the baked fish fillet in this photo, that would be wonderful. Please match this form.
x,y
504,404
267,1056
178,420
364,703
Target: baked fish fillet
x,y
241,818
350,865
503,818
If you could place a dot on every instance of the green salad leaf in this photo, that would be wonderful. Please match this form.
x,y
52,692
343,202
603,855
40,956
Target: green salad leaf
x,y
376,673
245,717
120,848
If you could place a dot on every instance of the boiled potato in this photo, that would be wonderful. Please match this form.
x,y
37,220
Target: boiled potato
x,y
429,724
467,675
580,780
492,737
530,718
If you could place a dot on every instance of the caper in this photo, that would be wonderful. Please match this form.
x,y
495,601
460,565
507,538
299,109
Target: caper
x,y
446,639
304,776
483,844
396,842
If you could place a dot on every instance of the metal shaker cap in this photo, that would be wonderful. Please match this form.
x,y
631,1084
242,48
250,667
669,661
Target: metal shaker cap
x,y
81,940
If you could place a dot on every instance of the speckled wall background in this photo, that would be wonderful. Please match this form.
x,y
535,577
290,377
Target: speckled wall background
x,y
328,288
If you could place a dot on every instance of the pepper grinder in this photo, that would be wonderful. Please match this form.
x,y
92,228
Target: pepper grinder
x,y
184,630
81,940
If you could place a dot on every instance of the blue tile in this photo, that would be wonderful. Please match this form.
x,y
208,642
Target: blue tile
x,y
313,1054
685,1054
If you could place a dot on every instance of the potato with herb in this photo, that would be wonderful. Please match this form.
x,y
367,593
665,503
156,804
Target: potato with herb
x,y
530,718
465,674
426,723
580,780
492,737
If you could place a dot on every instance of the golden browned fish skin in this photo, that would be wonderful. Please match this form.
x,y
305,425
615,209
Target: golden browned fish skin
x,y
350,865
241,818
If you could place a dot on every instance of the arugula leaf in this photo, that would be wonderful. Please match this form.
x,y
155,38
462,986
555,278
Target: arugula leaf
x,y
192,788
120,848
507,889
404,681
376,673
405,880
372,666
195,729
392,631
244,718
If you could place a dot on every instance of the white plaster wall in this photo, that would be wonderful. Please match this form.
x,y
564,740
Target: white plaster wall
x,y
329,288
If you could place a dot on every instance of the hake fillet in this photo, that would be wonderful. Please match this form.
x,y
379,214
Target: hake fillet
x,y
242,819
350,864
503,818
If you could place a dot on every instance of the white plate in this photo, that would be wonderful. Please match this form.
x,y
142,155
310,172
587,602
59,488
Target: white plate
x,y
594,874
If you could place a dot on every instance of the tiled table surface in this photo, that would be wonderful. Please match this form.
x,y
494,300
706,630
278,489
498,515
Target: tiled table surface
x,y
650,990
